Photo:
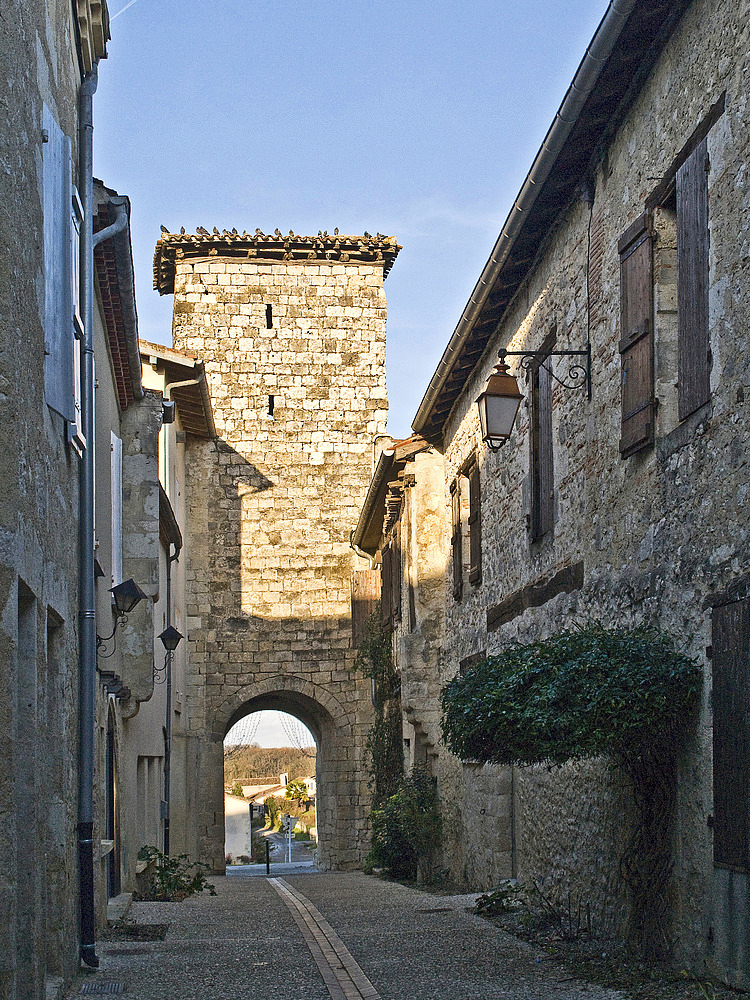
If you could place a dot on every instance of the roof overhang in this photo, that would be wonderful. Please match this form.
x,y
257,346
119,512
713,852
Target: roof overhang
x,y
622,52
369,531
185,383
115,276
258,247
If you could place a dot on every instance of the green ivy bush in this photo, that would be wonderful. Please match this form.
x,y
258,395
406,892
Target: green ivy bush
x,y
385,740
592,691
587,692
406,829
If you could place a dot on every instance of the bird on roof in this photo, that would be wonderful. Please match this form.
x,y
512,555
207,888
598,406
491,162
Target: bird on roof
x,y
367,235
216,231
258,232
336,232
202,231
291,232
277,232
164,229
182,230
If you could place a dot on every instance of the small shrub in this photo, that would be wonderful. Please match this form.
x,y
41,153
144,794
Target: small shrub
x,y
170,879
406,829
507,896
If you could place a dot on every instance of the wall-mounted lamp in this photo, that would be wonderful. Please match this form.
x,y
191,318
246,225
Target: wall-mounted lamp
x,y
125,596
498,404
170,640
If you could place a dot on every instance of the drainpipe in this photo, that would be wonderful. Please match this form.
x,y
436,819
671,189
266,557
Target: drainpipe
x,y
168,740
87,606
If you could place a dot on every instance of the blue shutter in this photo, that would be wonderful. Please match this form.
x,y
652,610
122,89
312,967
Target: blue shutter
x,y
59,341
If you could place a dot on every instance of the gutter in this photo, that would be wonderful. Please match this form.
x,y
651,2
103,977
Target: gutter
x,y
584,81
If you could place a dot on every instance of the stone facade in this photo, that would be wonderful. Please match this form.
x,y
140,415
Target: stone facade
x,y
292,334
38,517
654,532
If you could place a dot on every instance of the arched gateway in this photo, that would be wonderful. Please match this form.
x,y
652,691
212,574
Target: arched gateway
x,y
291,331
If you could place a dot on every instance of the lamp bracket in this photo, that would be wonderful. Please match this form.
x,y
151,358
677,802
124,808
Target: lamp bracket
x,y
577,376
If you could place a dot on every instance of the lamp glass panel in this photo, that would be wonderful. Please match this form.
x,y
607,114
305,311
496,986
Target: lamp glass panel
x,y
500,415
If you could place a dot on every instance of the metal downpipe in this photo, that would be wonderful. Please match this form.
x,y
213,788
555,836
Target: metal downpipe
x,y
87,598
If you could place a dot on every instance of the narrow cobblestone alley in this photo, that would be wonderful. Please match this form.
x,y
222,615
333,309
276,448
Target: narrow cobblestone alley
x,y
321,936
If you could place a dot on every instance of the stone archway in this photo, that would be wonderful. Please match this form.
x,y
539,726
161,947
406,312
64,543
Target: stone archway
x,y
340,804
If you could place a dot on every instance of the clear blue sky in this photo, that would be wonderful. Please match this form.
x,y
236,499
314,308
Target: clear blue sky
x,y
413,118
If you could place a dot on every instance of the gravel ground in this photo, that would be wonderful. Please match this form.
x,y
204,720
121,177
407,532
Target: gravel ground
x,y
412,945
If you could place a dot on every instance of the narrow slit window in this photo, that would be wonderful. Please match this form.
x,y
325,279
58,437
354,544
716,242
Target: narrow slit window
x,y
271,403
269,317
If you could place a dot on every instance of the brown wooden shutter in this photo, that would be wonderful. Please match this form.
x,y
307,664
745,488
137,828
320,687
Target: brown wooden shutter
x,y
637,337
365,597
386,587
456,553
731,736
396,575
693,382
475,525
542,463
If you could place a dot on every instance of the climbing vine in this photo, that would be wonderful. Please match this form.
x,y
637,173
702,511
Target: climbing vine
x,y
384,741
589,692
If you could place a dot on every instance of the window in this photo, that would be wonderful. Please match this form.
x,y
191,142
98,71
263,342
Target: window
x,y
456,541
115,482
636,337
731,734
541,453
466,519
475,525
694,358
390,593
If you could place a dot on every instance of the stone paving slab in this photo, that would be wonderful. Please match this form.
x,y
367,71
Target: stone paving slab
x,y
410,945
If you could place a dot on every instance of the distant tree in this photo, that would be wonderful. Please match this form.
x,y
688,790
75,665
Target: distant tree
x,y
296,790
237,789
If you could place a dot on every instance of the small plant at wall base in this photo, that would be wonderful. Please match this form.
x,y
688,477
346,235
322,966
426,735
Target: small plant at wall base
x,y
406,829
170,879
385,739
625,694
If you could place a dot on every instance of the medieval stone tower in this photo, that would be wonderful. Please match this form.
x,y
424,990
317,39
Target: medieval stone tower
x,y
292,334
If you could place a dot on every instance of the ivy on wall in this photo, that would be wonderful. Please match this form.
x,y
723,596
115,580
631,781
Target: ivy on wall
x,y
385,739
592,691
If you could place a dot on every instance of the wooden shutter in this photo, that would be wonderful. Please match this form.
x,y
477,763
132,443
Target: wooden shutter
x,y
386,585
365,596
731,734
396,574
475,525
637,337
693,383
456,552
59,341
542,467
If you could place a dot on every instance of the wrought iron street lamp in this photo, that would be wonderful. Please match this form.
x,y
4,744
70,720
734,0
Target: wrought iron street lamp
x,y
498,404
125,597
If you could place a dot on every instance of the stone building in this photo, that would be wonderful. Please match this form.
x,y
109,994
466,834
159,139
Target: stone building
x,y
45,50
291,331
629,235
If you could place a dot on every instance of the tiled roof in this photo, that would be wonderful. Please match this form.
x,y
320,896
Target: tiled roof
x,y
258,246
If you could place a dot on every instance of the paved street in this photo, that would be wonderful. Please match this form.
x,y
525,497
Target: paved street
x,y
314,936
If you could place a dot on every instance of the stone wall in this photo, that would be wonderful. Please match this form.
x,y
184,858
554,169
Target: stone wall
x,y
38,517
657,534
295,358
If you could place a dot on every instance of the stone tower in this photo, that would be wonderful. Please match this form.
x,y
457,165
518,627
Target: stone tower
x,y
291,330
